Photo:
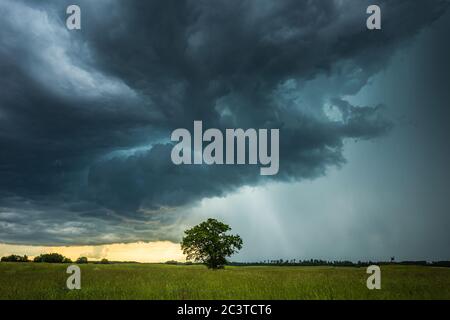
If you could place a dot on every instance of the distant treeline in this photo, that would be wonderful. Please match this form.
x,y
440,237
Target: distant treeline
x,y
336,263
58,258
318,263
48,258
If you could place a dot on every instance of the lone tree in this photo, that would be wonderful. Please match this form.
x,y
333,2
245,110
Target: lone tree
x,y
207,243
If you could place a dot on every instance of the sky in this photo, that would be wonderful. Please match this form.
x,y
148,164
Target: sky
x,y
86,117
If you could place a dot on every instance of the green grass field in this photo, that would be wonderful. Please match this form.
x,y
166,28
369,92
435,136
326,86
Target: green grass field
x,y
157,281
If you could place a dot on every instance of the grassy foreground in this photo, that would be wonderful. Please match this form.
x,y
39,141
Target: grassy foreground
x,y
157,281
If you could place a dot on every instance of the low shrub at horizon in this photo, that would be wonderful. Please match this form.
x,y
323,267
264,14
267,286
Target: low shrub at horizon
x,y
15,258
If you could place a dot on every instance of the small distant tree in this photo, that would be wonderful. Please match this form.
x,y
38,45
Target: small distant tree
x,y
67,260
104,261
51,258
208,243
82,260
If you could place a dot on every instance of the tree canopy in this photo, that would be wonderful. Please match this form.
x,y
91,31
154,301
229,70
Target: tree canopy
x,y
52,258
208,243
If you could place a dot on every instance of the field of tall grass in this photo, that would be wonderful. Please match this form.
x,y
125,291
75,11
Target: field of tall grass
x,y
158,281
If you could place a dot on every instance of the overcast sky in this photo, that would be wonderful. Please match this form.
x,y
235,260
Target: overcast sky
x,y
86,118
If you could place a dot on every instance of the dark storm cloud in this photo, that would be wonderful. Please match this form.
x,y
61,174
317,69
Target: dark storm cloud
x,y
85,115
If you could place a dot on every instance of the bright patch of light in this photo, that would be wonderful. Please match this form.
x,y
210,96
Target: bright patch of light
x,y
333,113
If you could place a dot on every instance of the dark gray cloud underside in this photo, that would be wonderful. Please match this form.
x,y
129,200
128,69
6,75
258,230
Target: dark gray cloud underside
x,y
85,116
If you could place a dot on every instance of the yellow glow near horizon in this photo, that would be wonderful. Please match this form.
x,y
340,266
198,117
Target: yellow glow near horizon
x,y
158,251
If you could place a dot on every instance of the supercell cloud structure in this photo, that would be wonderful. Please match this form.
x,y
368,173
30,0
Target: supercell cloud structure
x,y
86,116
